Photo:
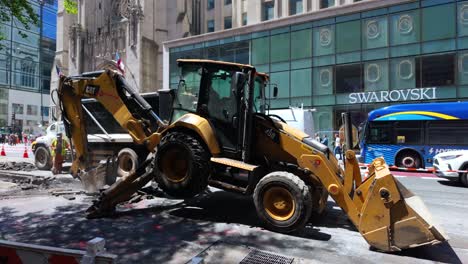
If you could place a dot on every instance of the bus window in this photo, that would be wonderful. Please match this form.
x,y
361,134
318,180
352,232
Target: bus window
x,y
379,133
408,132
448,132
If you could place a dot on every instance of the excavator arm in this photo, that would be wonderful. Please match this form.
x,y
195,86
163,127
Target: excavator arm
x,y
128,108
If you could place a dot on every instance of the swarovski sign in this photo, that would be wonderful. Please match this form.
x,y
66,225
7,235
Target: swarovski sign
x,y
415,94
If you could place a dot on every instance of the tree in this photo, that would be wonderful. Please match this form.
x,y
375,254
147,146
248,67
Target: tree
x,y
71,7
18,11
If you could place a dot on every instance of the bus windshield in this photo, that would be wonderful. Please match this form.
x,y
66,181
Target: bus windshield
x,y
410,135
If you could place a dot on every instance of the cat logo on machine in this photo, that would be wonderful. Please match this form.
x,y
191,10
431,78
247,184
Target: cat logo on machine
x,y
272,134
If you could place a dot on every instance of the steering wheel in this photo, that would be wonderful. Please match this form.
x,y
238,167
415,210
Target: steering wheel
x,y
278,117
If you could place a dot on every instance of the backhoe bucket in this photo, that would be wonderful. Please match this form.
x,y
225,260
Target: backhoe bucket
x,y
392,217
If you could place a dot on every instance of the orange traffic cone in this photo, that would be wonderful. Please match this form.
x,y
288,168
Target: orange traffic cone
x,y
25,154
3,151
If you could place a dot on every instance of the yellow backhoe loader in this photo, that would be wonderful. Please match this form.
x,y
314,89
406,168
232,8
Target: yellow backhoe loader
x,y
220,135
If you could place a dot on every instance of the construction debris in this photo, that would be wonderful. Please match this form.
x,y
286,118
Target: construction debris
x,y
17,166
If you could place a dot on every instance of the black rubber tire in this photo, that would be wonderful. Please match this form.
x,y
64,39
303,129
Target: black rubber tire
x,y
42,158
464,176
300,193
408,159
127,162
177,147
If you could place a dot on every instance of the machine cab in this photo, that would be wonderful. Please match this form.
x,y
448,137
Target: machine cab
x,y
226,94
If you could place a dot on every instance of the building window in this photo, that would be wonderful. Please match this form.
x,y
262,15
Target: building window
x,y
326,3
18,109
228,22
436,70
349,78
44,111
210,27
244,19
295,7
268,10
210,4
31,110
227,2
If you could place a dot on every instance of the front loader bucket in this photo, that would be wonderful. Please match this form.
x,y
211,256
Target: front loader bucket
x,y
393,218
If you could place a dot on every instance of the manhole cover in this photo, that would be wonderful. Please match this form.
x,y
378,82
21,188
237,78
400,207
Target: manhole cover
x,y
262,257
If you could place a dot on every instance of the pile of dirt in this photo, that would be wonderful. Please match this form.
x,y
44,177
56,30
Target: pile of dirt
x,y
17,166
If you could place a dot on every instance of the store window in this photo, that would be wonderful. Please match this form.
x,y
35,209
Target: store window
x,y
323,81
281,79
31,110
376,75
210,26
227,2
228,22
18,108
324,43
405,28
463,67
438,70
280,47
348,36
402,73
462,18
261,51
349,78
45,111
210,4
268,10
301,44
374,33
295,7
326,3
301,87
438,22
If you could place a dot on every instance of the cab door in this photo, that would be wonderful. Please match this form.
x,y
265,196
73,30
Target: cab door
x,y
222,105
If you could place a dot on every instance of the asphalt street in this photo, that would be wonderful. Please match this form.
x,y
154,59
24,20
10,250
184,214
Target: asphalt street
x,y
224,225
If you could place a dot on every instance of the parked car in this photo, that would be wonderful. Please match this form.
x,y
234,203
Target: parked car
x,y
452,165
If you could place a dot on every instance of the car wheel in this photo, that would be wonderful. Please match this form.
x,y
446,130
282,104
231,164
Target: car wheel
x,y
42,158
127,161
464,177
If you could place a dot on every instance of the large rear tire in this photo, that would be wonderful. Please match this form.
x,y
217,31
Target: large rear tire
x,y
42,158
283,202
182,165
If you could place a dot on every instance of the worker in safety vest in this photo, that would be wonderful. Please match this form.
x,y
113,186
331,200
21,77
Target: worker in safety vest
x,y
59,148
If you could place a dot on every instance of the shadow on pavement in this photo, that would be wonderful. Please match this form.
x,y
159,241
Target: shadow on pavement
x,y
440,253
452,184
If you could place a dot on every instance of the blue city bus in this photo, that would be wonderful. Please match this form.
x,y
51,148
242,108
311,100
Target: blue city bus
x,y
410,135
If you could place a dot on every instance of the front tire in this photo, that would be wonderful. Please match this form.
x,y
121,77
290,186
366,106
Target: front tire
x,y
464,177
42,158
182,165
283,202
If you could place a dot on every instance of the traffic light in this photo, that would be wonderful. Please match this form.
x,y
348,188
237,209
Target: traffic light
x,y
13,116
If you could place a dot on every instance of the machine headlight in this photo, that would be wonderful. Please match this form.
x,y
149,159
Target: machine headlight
x,y
450,157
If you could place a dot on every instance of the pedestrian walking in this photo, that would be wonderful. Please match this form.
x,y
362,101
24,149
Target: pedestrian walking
x,y
59,148
317,137
337,149
325,140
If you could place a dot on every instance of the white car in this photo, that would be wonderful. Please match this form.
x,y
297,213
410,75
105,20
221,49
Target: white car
x,y
452,165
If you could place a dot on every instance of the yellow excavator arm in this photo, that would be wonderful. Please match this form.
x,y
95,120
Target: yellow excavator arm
x,y
127,107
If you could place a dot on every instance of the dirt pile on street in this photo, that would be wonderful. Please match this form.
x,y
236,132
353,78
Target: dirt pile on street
x,y
17,166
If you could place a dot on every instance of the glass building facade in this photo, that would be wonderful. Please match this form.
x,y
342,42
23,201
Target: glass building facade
x,y
25,68
411,52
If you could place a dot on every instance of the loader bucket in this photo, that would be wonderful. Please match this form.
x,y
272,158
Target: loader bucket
x,y
393,218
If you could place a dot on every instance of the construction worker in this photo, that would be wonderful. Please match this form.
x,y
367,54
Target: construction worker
x,y
59,148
